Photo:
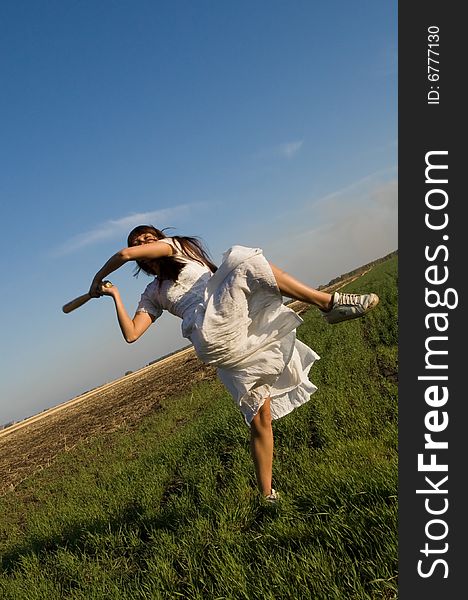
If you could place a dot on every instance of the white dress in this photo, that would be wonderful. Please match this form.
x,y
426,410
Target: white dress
x,y
236,321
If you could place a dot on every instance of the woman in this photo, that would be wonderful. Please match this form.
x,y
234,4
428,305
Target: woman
x,y
235,317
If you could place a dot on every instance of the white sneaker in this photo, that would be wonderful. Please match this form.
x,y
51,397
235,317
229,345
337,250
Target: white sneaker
x,y
273,497
349,306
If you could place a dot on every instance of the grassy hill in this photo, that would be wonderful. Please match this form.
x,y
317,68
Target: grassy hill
x,y
169,509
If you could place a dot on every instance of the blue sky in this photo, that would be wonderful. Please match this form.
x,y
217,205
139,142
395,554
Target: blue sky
x,y
263,123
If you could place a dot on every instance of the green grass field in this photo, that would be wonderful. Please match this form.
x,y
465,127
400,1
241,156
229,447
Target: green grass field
x,y
170,510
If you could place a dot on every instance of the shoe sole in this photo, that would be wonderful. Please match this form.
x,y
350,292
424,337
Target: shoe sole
x,y
351,317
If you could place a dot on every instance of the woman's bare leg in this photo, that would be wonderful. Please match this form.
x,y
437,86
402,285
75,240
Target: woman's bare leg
x,y
261,447
295,289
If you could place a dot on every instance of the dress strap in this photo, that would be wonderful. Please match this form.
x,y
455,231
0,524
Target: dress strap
x,y
171,242
178,251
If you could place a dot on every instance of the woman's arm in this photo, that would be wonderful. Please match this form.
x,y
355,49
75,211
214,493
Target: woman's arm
x,y
131,329
142,252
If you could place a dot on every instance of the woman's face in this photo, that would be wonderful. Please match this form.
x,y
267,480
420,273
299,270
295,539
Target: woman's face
x,y
144,238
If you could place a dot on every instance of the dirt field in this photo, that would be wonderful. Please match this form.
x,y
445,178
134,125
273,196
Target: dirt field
x,y
31,445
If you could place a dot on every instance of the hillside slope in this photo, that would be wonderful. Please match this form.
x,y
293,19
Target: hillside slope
x,y
31,445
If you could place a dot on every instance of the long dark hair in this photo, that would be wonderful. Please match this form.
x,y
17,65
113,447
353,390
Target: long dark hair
x,y
169,267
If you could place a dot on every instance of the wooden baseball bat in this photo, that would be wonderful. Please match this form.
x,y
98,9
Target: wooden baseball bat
x,y
77,302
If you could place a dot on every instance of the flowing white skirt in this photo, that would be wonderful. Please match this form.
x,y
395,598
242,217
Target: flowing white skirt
x,y
245,330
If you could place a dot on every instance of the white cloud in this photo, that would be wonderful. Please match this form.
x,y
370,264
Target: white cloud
x,y
286,150
289,149
116,227
355,190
